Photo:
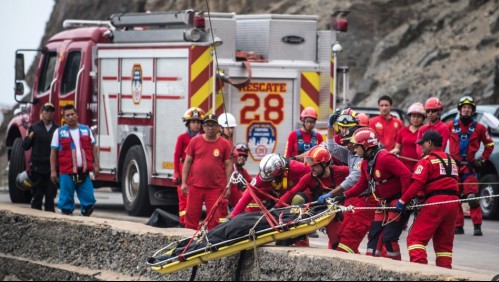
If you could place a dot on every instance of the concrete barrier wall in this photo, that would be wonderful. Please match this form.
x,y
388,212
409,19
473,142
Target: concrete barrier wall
x,y
45,246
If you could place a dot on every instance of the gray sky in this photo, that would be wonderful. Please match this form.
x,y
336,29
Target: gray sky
x,y
23,23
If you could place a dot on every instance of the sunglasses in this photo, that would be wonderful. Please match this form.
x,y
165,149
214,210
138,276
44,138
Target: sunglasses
x,y
431,111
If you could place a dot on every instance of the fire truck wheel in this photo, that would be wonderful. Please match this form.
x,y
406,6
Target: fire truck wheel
x,y
134,183
489,187
17,165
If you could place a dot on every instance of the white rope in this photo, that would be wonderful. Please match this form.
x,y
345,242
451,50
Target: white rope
x,y
352,208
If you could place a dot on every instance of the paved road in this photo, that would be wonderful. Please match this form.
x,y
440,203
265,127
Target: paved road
x,y
470,253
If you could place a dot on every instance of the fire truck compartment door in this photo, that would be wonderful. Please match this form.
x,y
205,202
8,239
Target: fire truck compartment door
x,y
264,111
171,102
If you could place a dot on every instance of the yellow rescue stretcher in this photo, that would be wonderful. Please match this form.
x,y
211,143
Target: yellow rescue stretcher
x,y
234,246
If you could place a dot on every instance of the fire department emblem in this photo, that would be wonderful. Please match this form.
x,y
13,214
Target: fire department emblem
x,y
419,169
216,153
136,83
261,138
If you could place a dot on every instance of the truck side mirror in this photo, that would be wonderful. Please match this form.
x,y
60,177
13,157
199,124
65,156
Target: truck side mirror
x,y
20,75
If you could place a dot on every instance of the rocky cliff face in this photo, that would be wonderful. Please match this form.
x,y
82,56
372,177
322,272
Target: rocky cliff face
x,y
410,50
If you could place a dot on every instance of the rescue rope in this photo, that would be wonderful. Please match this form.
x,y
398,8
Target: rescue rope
x,y
353,208
407,158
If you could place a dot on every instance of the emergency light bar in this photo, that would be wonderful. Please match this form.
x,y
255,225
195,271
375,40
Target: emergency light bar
x,y
86,23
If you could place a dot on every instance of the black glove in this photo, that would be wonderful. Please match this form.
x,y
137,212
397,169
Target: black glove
x,y
334,117
241,186
473,203
478,163
339,199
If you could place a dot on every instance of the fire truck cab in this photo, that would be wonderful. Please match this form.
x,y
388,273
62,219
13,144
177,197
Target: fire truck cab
x,y
132,77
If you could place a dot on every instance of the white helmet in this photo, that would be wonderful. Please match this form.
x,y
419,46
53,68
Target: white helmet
x,y
227,120
271,166
23,181
416,108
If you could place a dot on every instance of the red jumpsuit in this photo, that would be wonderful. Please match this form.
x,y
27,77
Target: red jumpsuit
x,y
313,189
467,174
440,127
387,130
236,192
207,178
178,164
438,181
291,149
275,188
391,178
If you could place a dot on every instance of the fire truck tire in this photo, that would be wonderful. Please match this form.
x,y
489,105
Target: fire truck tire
x,y
134,183
489,187
16,166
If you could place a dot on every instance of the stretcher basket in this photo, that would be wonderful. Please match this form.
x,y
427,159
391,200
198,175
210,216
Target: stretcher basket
x,y
164,262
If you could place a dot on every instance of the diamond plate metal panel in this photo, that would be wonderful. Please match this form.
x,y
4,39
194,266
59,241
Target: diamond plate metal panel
x,y
265,35
224,26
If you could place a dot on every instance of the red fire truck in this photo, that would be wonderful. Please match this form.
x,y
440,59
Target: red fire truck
x,y
132,77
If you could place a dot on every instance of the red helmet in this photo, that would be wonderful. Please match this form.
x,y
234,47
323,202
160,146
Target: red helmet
x,y
366,137
316,155
433,104
308,112
193,113
363,120
348,111
240,150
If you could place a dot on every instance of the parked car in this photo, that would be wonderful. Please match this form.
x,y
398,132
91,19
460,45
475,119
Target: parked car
x,y
489,175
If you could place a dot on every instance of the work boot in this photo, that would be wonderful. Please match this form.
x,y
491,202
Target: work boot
x,y
478,230
459,230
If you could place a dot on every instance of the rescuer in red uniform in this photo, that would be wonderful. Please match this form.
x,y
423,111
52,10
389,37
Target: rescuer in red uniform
x,y
276,176
301,140
466,136
386,125
207,170
192,118
239,157
433,108
323,177
436,176
385,177
407,137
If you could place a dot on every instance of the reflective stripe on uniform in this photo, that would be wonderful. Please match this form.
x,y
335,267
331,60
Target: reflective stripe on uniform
x,y
253,206
415,247
345,248
392,254
181,213
443,254
372,252
222,220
